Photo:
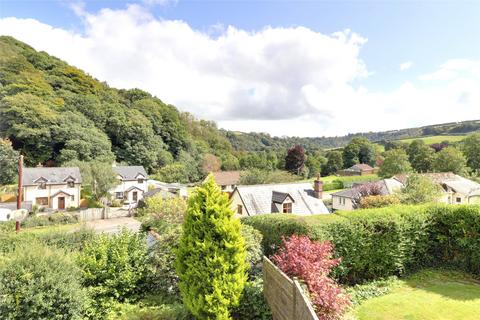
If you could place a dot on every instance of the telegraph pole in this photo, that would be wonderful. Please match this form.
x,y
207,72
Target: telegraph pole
x,y
20,185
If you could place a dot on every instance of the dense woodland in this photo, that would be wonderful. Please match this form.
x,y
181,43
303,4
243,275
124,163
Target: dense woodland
x,y
54,113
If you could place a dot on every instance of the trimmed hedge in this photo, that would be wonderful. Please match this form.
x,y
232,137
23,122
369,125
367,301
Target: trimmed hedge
x,y
377,243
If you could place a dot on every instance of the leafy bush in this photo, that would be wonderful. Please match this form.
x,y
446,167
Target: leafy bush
x,y
40,283
370,202
419,189
211,256
50,219
253,305
375,288
333,185
114,268
162,277
312,262
142,311
253,246
155,209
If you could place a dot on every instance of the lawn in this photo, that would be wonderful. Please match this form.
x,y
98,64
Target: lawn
x,y
432,295
435,139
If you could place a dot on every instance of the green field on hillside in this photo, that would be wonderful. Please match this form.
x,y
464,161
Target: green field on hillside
x,y
435,139
429,295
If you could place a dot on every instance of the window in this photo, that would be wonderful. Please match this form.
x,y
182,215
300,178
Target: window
x,y
233,186
72,198
287,207
458,199
42,185
224,187
119,195
239,209
42,201
71,184
140,180
135,196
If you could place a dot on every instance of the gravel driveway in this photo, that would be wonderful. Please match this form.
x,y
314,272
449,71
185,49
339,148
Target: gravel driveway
x,y
113,225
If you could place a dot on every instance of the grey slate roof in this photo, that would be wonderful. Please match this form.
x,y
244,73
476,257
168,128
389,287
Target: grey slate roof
x,y
52,175
450,180
130,172
279,197
258,199
388,186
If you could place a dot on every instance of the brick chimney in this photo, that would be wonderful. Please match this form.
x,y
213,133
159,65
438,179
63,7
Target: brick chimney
x,y
318,187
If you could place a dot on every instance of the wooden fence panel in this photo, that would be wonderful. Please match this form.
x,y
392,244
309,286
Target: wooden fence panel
x,y
284,295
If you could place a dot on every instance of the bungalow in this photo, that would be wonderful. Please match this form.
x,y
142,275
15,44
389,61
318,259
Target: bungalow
x,y
52,188
297,198
166,190
455,189
346,199
227,180
359,169
132,186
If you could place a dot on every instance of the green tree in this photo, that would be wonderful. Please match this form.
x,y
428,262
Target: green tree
x,y
421,156
37,282
471,149
359,150
211,256
334,163
8,162
113,268
176,172
396,161
450,159
97,177
419,189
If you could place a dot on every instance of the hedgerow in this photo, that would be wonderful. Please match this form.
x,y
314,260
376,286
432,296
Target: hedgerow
x,y
375,243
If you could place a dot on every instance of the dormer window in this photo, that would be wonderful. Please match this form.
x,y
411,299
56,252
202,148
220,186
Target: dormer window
x,y
42,185
71,184
140,180
287,207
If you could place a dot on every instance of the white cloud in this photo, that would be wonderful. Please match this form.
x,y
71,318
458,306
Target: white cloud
x,y
406,65
286,81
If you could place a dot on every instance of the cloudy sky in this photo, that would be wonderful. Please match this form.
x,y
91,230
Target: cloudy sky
x,y
304,68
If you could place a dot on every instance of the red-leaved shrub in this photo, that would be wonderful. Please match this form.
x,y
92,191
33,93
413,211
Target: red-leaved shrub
x,y
312,262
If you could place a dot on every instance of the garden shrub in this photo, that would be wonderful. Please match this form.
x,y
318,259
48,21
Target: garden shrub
x,y
49,219
312,262
253,305
253,246
113,268
162,277
386,241
37,282
172,311
211,258
275,226
378,201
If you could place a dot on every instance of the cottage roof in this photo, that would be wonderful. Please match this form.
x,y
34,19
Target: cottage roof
x,y
51,175
258,199
130,172
387,186
448,179
360,167
225,178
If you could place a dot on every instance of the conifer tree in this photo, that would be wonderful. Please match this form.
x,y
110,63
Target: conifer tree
x,y
211,257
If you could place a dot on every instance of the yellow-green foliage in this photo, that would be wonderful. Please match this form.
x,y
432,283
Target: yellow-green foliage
x,y
211,256
378,201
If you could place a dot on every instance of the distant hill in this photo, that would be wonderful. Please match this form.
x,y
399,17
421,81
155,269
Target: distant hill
x,y
261,141
54,113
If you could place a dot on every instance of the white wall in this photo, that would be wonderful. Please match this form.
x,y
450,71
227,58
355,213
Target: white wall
x,y
30,193
342,203
236,201
125,185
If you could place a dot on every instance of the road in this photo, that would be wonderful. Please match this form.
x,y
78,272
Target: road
x,y
113,225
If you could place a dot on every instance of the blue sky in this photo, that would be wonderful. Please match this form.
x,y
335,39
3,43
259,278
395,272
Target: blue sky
x,y
423,35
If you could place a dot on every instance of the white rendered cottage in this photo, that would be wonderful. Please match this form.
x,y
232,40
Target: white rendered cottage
x,y
54,188
132,186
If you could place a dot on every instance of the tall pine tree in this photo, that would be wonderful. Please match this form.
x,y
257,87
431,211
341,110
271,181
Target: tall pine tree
x,y
211,256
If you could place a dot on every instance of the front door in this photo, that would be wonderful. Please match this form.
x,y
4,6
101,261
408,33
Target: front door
x,y
135,196
61,203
